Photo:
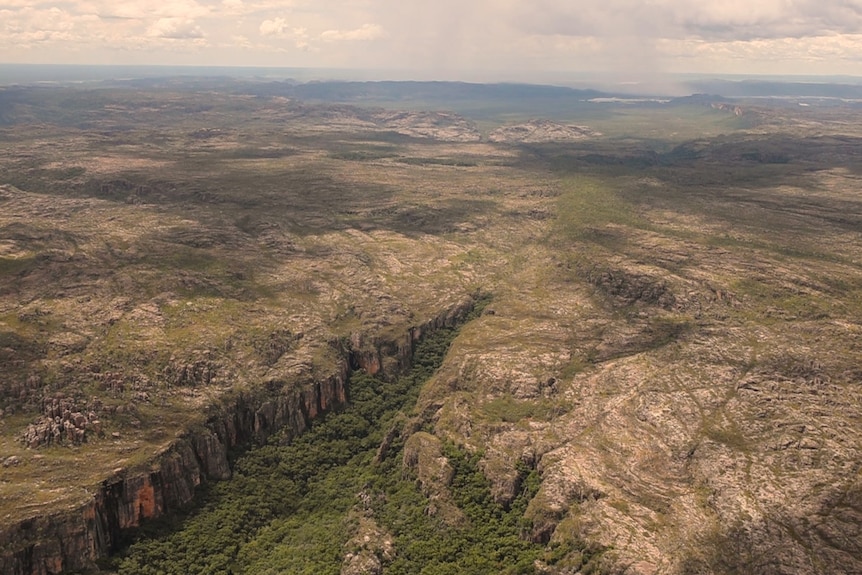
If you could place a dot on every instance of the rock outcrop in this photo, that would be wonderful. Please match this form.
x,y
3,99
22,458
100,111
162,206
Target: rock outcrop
x,y
368,549
436,125
536,131
62,421
440,126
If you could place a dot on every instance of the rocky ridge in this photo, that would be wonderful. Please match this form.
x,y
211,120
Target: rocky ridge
x,y
439,126
539,130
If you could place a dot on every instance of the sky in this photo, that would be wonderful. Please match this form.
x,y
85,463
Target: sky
x,y
446,39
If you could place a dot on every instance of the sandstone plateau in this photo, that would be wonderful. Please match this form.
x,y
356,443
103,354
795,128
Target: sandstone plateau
x,y
672,342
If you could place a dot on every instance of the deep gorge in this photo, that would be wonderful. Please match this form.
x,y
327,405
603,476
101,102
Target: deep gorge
x,y
76,539
347,496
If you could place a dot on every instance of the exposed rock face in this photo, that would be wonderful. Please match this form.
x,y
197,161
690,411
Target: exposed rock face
x,y
441,126
631,287
373,356
368,549
436,125
736,110
198,372
423,453
536,131
72,540
679,436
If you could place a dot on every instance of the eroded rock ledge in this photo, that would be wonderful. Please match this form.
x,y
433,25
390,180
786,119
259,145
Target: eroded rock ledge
x,y
73,539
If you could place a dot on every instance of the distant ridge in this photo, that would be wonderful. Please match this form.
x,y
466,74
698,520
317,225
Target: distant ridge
x,y
777,89
398,90
343,85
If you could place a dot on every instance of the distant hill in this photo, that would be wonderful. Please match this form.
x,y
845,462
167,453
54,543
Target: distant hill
x,y
777,89
433,91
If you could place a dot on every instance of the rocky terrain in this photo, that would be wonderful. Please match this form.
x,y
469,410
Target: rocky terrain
x,y
438,126
672,344
536,131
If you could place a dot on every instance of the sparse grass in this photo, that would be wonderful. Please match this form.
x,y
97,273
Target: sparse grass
x,y
588,206
770,301
729,436
14,266
461,163
365,153
510,410
666,124
577,365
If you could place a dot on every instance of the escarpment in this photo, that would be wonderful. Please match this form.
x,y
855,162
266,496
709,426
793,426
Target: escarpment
x,y
75,538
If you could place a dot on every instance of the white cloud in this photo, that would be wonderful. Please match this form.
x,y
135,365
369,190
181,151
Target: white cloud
x,y
241,42
175,29
365,32
44,26
15,4
722,20
274,27
620,35
143,10
301,42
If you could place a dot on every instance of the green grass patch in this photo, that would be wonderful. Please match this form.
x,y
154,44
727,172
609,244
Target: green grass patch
x,y
507,408
676,123
587,206
729,436
365,154
437,162
781,300
14,266
254,153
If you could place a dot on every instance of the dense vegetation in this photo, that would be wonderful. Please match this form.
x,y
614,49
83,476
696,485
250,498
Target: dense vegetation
x,y
292,507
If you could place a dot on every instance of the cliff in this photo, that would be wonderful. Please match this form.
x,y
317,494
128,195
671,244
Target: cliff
x,y
73,539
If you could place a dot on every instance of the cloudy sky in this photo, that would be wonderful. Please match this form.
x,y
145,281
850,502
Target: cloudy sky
x,y
445,39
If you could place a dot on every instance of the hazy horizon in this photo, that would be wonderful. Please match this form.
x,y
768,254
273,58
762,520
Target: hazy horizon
x,y
625,40
664,84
